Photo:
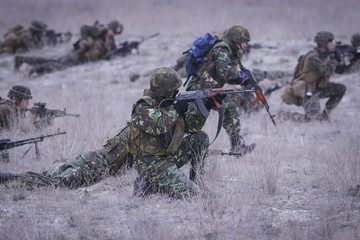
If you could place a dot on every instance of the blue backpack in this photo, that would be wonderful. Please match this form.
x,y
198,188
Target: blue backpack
x,y
198,51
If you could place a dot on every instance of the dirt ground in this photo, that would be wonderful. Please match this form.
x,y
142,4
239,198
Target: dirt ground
x,y
297,184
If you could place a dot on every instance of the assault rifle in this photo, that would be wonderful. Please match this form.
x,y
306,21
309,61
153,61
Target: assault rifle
x,y
350,53
199,95
126,48
46,115
7,143
52,37
259,95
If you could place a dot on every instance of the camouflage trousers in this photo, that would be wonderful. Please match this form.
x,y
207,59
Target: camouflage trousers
x,y
311,105
87,168
333,91
162,173
231,120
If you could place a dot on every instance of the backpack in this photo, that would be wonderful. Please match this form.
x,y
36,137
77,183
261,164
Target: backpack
x,y
198,51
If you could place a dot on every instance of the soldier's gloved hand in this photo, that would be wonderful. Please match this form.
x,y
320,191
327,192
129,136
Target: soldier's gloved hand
x,y
338,55
181,107
244,79
218,98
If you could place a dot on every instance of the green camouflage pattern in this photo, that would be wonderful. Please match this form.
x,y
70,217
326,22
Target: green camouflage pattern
x,y
164,81
163,172
88,167
238,34
153,126
224,72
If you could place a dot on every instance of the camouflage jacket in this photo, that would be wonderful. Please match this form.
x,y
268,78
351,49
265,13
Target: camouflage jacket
x,y
19,39
10,115
96,43
223,71
314,70
159,130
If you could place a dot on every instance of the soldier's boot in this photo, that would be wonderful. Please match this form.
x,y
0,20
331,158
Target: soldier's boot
x,y
19,60
325,115
6,176
238,146
143,188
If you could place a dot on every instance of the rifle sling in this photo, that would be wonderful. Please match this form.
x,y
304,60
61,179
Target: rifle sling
x,y
221,116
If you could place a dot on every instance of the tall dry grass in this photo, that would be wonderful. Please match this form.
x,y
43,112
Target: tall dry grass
x,y
294,185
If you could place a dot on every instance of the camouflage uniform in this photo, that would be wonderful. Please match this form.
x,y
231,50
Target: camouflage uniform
x,y
11,114
221,69
87,168
95,43
353,57
311,83
157,139
19,39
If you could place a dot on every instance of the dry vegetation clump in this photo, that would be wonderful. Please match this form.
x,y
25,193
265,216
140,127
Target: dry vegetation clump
x,y
299,183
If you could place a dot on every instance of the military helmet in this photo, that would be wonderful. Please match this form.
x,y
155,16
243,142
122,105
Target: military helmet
x,y
355,39
164,81
38,26
238,34
116,26
19,92
323,37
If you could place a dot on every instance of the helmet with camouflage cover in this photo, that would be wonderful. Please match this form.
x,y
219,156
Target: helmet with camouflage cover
x,y
19,92
355,39
164,81
116,26
37,25
323,37
238,34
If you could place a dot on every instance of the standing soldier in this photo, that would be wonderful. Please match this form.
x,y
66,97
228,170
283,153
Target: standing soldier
x,y
18,39
96,42
225,58
311,82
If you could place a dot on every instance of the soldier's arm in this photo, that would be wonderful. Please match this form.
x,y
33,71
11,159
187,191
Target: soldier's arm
x,y
194,120
323,67
223,64
152,120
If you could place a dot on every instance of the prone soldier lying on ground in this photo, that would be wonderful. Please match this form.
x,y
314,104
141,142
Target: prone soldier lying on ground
x,y
154,140
19,39
96,43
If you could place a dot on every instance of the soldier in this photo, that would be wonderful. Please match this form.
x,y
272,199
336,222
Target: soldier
x,y
353,55
96,43
224,57
311,82
159,146
19,39
157,139
12,112
87,168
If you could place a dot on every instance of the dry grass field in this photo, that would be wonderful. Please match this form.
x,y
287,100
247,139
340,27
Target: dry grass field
x,y
294,185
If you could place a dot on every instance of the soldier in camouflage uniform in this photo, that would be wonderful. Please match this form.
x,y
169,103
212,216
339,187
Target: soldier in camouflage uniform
x,y
96,43
224,58
311,82
12,112
157,138
354,58
19,39
87,168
